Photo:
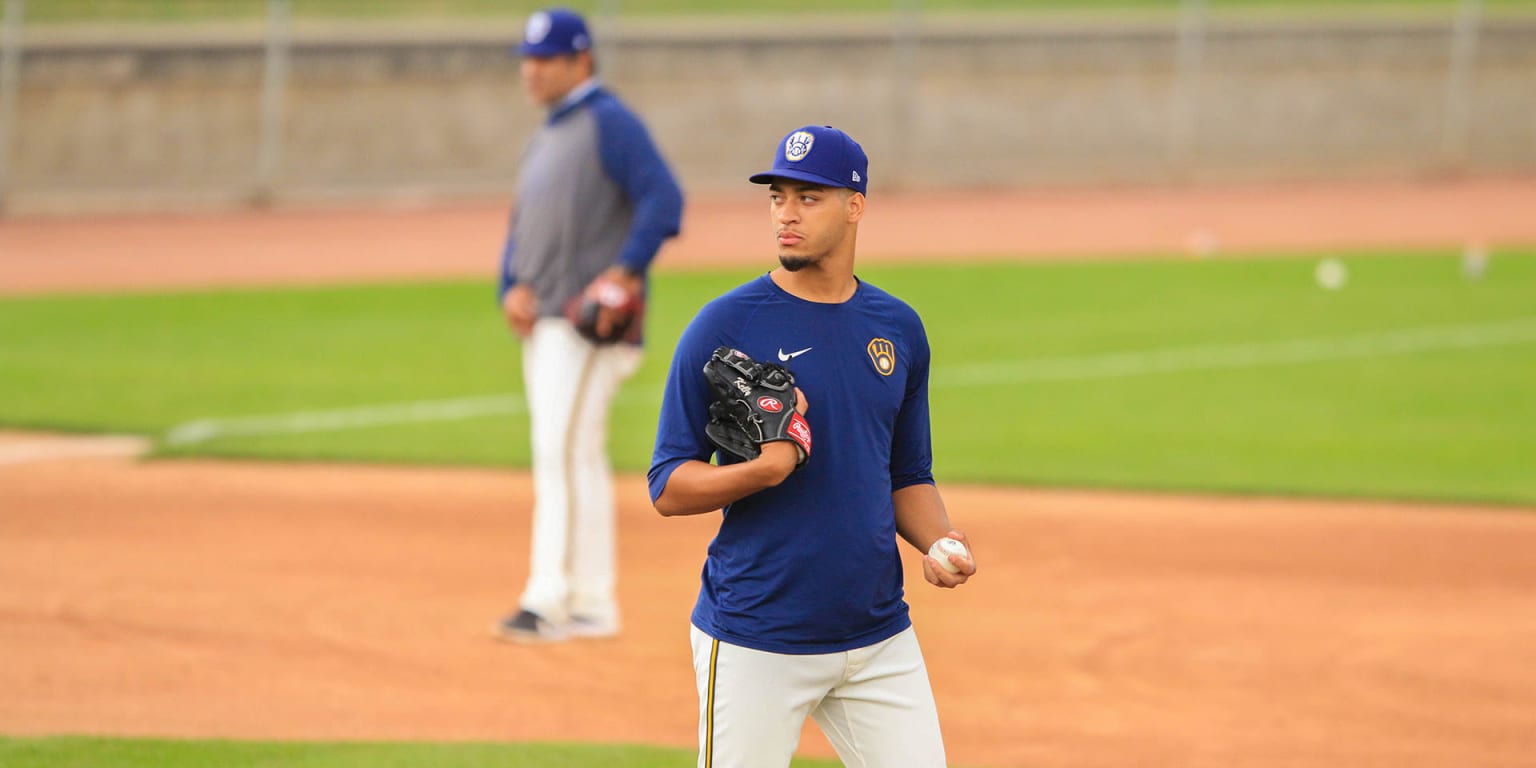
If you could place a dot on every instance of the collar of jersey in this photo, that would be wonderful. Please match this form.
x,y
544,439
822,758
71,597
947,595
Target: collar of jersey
x,y
858,293
578,96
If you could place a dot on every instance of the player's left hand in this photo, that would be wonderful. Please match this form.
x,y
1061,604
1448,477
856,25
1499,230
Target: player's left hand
x,y
610,319
748,410
937,576
629,281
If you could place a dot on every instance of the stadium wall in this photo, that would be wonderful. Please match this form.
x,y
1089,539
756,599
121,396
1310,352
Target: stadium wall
x,y
115,119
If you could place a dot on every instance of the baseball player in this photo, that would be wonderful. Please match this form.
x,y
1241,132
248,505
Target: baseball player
x,y
801,610
595,201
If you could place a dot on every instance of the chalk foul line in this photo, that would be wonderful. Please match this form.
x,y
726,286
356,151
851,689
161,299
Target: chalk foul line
x,y
1104,366
421,411
1243,355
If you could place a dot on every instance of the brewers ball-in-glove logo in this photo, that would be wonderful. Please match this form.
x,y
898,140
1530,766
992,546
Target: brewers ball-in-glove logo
x,y
798,145
883,354
538,27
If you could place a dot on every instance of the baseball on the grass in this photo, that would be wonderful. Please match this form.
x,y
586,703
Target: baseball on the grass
x,y
1331,274
943,548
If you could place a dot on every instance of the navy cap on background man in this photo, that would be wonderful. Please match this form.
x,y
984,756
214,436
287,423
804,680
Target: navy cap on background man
x,y
555,32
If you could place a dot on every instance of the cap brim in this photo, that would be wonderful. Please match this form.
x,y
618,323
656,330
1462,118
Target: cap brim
x,y
541,51
767,177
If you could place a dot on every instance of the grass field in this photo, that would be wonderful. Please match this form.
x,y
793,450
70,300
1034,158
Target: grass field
x,y
192,10
78,752
1214,375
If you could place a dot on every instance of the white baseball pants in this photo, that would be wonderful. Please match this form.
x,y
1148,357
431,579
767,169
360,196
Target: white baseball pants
x,y
570,383
874,704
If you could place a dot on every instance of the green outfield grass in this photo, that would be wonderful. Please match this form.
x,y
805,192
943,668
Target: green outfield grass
x,y
1218,375
85,752
202,10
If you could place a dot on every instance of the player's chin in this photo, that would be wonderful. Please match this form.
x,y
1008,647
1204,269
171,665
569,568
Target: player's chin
x,y
794,262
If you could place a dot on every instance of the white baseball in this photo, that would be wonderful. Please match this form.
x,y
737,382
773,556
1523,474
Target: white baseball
x,y
943,548
1331,274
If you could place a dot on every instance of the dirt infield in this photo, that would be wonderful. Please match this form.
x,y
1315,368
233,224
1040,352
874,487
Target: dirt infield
x,y
193,598
209,599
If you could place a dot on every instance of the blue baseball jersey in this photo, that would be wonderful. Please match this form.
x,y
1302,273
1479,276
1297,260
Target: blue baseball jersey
x,y
809,566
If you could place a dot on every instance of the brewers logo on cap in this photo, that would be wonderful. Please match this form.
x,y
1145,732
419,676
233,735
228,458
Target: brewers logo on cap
x,y
538,27
798,145
554,32
883,354
838,160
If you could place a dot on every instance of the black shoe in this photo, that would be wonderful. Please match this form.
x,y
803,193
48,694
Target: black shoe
x,y
527,627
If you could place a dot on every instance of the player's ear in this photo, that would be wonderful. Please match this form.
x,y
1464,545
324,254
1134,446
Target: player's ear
x,y
854,205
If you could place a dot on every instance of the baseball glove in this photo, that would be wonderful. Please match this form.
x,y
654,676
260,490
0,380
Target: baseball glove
x,y
754,404
605,313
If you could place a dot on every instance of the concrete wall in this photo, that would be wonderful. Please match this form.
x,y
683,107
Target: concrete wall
x,y
107,120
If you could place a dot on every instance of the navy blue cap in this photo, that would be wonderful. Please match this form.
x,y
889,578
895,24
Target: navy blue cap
x,y
819,154
555,32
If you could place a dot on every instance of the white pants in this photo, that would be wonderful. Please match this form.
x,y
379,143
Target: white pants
x,y
570,383
874,704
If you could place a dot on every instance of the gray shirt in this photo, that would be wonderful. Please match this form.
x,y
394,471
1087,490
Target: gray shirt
x,y
592,192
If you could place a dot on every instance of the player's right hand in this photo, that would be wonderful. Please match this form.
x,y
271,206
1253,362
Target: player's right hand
x,y
784,455
521,307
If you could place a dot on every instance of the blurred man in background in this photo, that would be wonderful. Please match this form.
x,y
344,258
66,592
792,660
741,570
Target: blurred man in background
x,y
595,201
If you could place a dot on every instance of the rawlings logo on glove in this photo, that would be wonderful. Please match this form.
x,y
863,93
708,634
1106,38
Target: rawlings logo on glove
x,y
754,404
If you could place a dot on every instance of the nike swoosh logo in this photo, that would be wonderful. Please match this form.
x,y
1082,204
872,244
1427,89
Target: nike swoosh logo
x,y
783,358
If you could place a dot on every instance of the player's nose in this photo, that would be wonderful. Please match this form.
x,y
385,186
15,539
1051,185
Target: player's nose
x,y
786,212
